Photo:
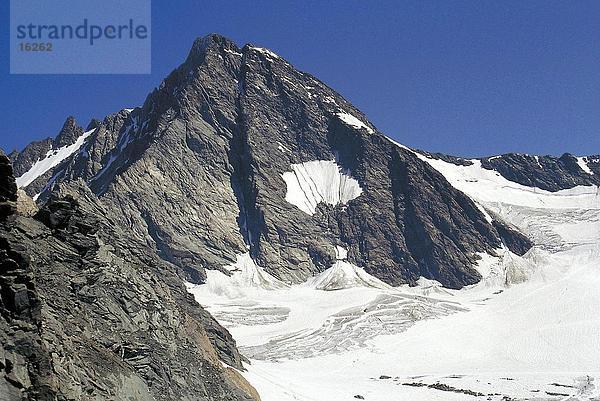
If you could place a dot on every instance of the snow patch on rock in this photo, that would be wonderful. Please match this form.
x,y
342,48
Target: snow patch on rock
x,y
582,162
53,158
341,253
311,183
266,52
354,122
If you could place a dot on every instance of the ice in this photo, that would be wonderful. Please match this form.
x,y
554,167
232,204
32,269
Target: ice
x,y
311,183
507,342
53,158
344,274
353,121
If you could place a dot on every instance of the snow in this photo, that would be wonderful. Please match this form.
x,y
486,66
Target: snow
x,y
233,52
266,52
282,148
582,162
344,275
341,253
353,121
311,183
245,274
489,186
528,330
53,158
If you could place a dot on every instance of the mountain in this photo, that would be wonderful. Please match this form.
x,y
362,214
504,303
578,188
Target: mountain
x,y
237,151
285,212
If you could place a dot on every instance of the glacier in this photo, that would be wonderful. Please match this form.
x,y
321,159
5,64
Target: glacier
x,y
528,330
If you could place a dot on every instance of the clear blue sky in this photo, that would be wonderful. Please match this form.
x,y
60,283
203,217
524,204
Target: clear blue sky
x,y
470,78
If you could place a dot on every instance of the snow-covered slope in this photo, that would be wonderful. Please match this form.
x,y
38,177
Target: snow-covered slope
x,y
582,162
353,121
344,275
528,331
245,275
489,186
52,159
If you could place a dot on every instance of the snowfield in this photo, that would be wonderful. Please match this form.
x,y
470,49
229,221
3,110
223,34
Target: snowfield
x,y
530,330
311,183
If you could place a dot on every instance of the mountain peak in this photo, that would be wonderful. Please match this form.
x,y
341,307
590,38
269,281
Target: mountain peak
x,y
210,42
69,133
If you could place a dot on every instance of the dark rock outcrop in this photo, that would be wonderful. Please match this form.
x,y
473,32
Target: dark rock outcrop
x,y
516,242
68,134
8,189
88,313
545,172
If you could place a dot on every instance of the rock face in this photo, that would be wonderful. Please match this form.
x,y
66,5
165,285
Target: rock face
x,y
546,172
8,189
87,313
197,173
516,242
43,150
68,134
